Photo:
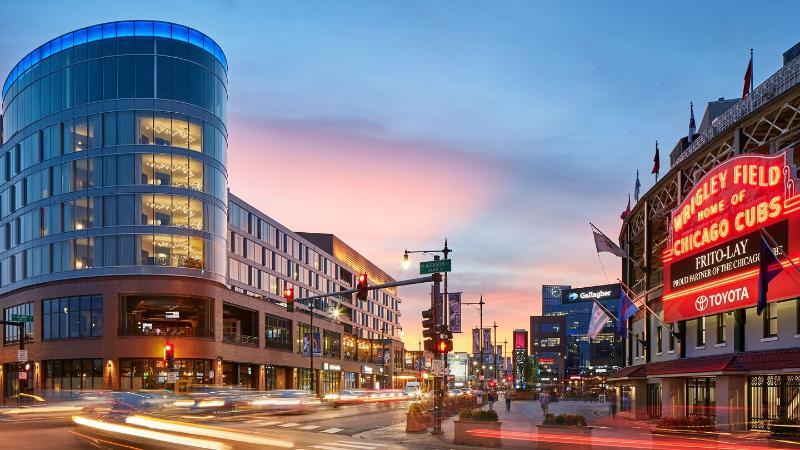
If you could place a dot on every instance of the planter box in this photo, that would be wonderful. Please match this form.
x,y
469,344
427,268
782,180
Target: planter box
x,y
685,433
469,432
563,429
416,423
524,395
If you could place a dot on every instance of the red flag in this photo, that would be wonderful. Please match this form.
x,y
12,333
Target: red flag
x,y
656,163
622,216
748,76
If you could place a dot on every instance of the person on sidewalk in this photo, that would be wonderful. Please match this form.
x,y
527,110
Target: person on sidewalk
x,y
612,403
508,400
544,401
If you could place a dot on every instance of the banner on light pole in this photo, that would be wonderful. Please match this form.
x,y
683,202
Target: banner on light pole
x,y
454,312
487,340
476,341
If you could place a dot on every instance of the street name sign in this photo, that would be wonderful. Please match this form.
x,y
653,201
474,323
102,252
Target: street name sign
x,y
436,266
21,318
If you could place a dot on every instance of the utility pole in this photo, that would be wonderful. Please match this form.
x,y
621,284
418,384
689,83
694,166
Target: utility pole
x,y
480,335
505,343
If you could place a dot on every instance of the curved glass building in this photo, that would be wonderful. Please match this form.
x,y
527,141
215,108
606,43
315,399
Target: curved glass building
x,y
115,237
113,156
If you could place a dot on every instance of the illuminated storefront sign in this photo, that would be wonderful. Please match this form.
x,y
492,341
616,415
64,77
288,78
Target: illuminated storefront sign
x,y
520,357
591,293
711,262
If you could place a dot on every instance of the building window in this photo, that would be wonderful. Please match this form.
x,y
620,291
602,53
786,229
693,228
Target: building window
x,y
304,379
771,320
11,332
64,375
137,374
72,317
659,339
278,333
332,344
157,315
331,381
305,338
721,328
701,331
672,337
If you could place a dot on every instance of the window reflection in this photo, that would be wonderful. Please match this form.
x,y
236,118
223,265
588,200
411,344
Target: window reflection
x,y
172,251
168,170
172,210
165,129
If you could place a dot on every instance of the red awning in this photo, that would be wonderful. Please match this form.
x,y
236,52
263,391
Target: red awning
x,y
761,361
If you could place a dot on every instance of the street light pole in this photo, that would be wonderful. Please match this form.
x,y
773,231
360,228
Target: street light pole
x,y
495,350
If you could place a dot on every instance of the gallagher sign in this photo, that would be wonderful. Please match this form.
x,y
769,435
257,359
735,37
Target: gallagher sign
x,y
711,263
604,292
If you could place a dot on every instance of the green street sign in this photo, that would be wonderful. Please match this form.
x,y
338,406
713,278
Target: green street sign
x,y
21,318
428,267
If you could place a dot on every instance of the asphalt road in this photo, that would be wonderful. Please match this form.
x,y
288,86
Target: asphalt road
x,y
325,429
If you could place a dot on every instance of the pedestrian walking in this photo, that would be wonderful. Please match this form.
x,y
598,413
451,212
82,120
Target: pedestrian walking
x,y
491,398
508,400
479,397
544,401
612,403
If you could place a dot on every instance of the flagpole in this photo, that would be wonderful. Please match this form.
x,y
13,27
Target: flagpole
x,y
644,304
773,242
752,70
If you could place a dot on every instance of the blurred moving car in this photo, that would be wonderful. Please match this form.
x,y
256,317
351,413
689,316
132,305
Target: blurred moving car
x,y
345,397
282,401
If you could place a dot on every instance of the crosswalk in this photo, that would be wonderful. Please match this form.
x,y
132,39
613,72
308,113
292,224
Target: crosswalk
x,y
261,423
347,445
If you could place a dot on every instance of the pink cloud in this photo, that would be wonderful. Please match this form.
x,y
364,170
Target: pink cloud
x,y
369,191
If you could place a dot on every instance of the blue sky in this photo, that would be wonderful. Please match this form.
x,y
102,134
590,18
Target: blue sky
x,y
505,126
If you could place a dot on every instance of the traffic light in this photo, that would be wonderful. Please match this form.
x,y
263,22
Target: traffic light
x,y
361,294
169,355
444,341
429,330
288,296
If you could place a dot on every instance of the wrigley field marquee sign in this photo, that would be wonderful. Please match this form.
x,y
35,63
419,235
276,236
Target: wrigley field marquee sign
x,y
711,262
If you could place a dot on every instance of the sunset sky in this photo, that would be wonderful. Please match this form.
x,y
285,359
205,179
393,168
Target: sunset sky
x,y
504,126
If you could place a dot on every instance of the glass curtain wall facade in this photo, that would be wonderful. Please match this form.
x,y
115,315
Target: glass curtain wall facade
x,y
113,156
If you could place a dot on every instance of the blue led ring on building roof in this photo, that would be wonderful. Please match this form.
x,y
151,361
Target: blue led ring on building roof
x,y
113,30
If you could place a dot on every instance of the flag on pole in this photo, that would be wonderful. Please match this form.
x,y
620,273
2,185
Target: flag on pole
x,y
692,127
748,77
768,268
627,211
626,310
603,244
637,187
656,163
598,321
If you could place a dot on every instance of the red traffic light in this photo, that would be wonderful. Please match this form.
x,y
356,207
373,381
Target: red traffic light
x,y
288,296
169,355
361,287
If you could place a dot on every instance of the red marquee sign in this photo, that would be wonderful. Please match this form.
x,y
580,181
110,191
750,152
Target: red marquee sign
x,y
711,263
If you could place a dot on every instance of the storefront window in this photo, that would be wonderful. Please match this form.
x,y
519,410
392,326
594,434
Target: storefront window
x,y
270,378
331,381
701,396
72,374
304,379
136,374
166,316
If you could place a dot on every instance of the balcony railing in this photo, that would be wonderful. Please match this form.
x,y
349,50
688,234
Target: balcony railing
x,y
781,81
240,338
168,331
